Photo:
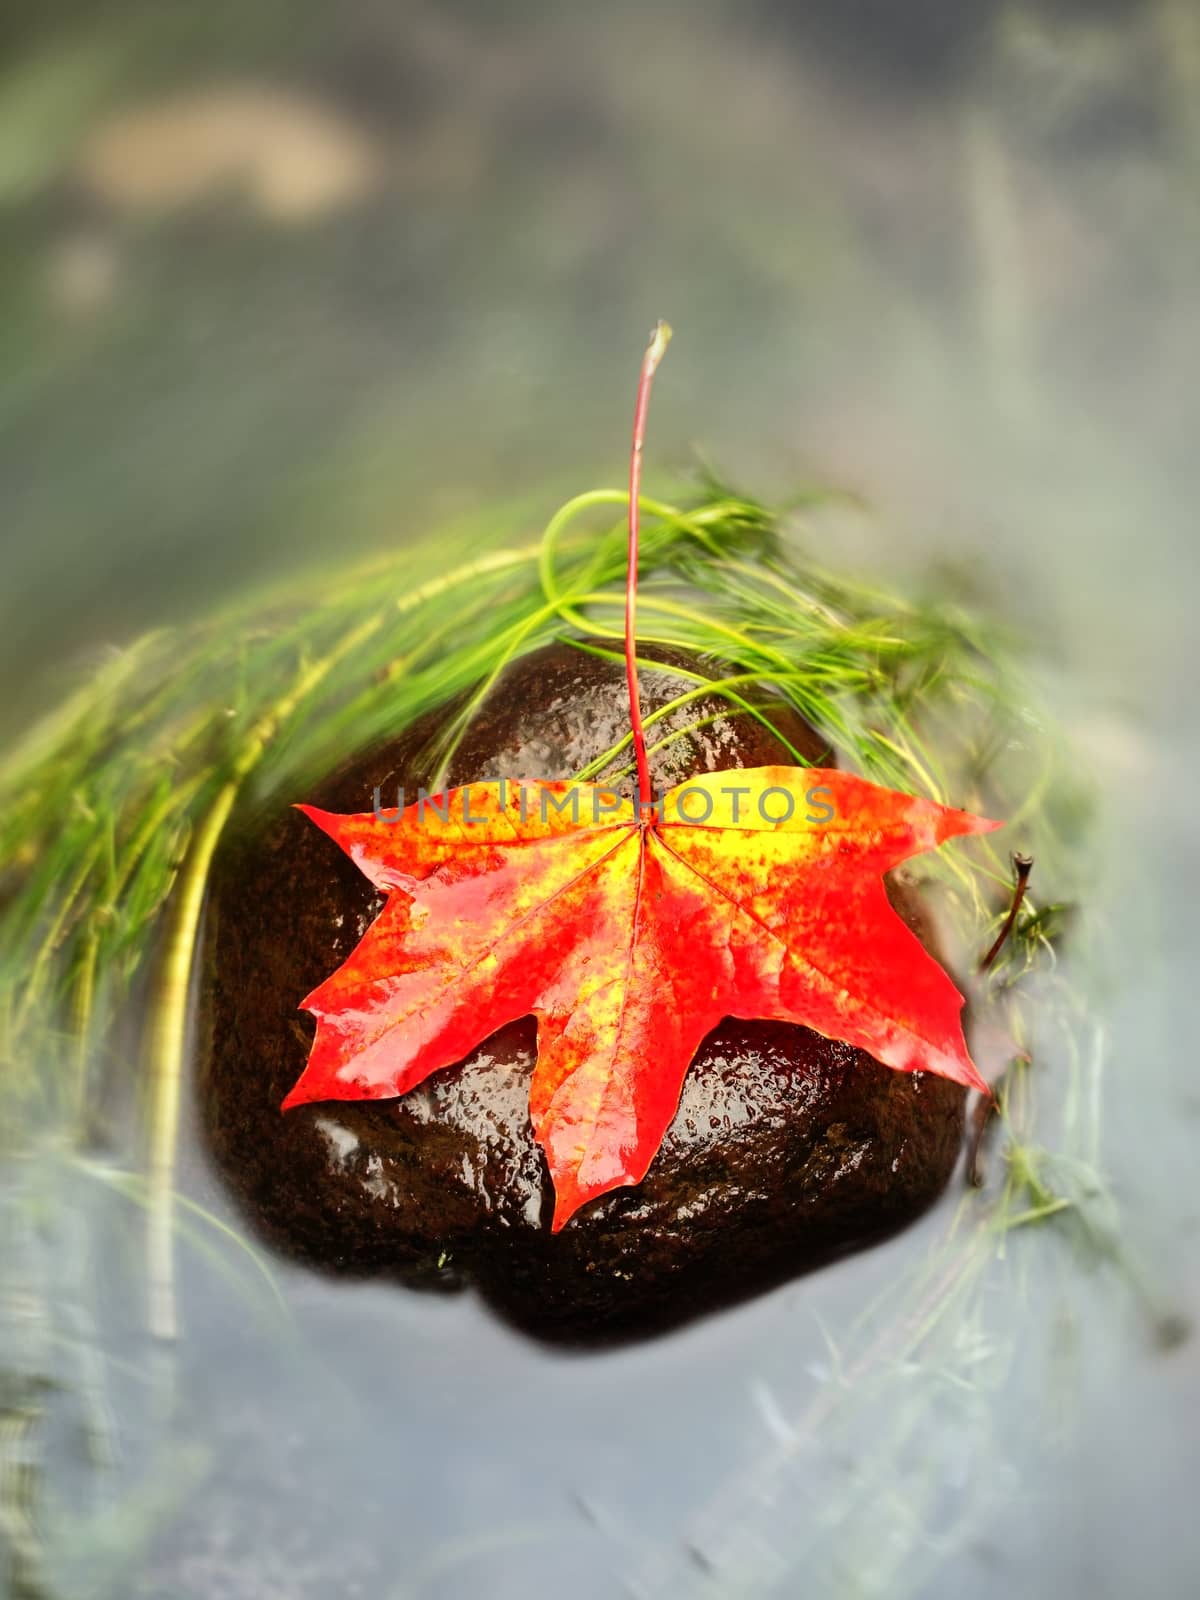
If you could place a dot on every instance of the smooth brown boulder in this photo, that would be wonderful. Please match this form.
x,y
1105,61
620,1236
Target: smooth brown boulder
x,y
787,1148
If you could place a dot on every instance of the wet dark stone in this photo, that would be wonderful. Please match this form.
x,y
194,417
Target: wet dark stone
x,y
787,1148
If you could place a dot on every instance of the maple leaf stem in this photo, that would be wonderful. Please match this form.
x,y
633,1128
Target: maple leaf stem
x,y
1022,866
655,351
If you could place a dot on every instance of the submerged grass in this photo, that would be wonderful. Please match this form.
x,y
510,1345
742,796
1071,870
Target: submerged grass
x,y
112,810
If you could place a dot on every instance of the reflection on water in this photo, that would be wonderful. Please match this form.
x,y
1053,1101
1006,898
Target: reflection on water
x,y
284,287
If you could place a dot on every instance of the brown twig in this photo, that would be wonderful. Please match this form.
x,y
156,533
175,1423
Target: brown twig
x,y
1023,866
983,1114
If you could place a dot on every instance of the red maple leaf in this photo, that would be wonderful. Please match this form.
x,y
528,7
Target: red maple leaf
x,y
629,930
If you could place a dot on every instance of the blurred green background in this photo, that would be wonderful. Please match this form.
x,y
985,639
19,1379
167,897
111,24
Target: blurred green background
x,y
282,282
